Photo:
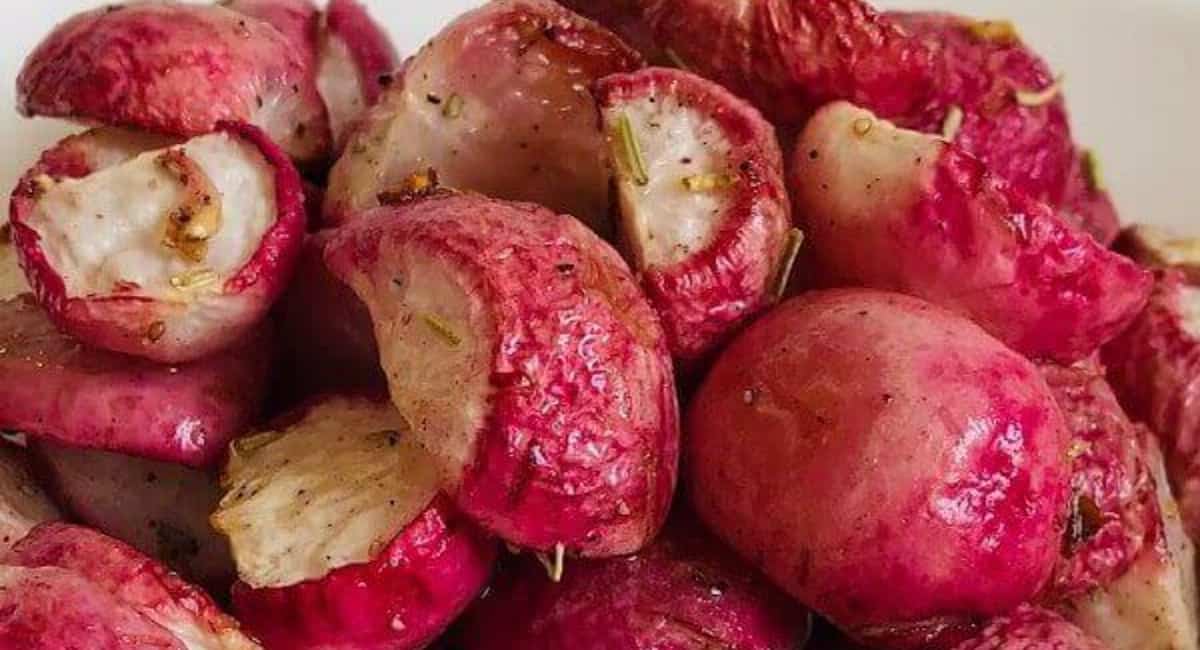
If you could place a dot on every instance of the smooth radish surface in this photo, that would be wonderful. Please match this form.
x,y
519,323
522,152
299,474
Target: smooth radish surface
x,y
23,503
159,508
869,193
196,66
52,386
683,591
498,103
171,254
704,211
885,461
518,346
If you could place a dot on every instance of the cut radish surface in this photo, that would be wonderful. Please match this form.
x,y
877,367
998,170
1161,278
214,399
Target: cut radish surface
x,y
356,62
196,66
331,490
134,579
52,386
703,205
518,347
159,508
498,103
899,210
171,254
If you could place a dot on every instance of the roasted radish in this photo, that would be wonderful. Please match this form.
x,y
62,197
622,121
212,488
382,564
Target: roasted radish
x,y
177,69
339,535
356,62
53,387
499,103
1032,628
159,508
173,254
23,504
894,209
517,344
885,461
704,211
683,591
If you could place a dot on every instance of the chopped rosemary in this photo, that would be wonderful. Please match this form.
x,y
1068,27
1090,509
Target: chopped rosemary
x,y
1035,98
442,329
195,279
1093,172
454,106
953,123
708,182
795,240
631,152
675,59
1001,32
863,126
556,567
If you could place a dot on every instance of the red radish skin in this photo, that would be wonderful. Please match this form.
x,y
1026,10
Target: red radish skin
x,y
870,194
528,363
53,387
713,282
159,508
509,81
298,20
143,325
157,594
683,591
403,599
1031,628
883,460
196,66
368,42
55,609
1114,509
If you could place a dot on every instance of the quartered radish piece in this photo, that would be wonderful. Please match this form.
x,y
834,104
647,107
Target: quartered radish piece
x,y
338,506
703,207
52,386
895,209
498,103
196,66
518,346
171,254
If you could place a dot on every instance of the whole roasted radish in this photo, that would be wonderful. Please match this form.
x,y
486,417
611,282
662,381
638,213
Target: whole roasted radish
x,y
703,207
517,344
171,253
177,69
683,591
885,461
894,209
52,386
340,537
498,103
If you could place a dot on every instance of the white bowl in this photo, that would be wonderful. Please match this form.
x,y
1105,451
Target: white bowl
x,y
1127,64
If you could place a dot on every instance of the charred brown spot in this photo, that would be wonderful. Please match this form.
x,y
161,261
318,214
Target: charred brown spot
x,y
1085,521
156,331
415,186
195,220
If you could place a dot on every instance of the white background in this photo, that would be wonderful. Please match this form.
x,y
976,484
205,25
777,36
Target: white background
x,y
1132,69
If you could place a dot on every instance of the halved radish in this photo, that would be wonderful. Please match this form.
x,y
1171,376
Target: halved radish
x,y
51,386
498,103
520,349
173,254
177,69
23,504
159,508
894,209
339,536
704,211
135,580
685,590
356,61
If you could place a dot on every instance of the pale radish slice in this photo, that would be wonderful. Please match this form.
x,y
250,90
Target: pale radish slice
x,y
498,103
356,59
23,504
703,207
159,508
51,386
196,66
893,209
134,579
172,254
519,348
329,490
